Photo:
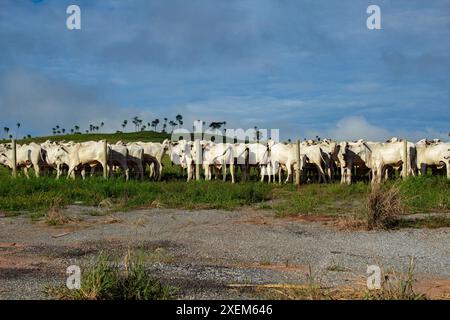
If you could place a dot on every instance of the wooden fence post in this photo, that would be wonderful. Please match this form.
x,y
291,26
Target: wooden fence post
x,y
197,159
405,159
297,155
14,158
105,167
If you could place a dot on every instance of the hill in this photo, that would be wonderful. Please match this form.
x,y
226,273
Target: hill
x,y
145,136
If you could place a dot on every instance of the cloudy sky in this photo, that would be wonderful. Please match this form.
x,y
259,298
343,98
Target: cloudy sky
x,y
308,67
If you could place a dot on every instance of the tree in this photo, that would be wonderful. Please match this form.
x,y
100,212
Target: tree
x,y
63,130
155,123
28,136
18,126
124,124
76,128
137,123
216,125
71,130
6,129
102,124
164,125
172,124
179,119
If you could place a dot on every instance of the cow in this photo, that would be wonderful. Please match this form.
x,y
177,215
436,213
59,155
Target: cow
x,y
27,156
434,153
217,157
118,156
155,151
86,153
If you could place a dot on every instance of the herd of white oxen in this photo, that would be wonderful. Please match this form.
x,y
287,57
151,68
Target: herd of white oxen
x,y
321,160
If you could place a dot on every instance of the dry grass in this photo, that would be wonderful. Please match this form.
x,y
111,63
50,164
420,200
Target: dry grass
x,y
384,205
397,286
55,215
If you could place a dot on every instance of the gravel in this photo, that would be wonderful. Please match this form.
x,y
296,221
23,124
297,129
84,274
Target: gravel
x,y
211,249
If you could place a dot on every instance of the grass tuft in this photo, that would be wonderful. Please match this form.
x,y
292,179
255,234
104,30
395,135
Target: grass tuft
x,y
106,280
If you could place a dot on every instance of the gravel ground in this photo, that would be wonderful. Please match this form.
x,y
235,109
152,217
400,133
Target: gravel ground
x,y
203,252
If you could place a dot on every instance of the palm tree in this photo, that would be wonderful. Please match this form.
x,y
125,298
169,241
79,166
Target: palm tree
x,y
28,136
63,130
164,125
137,123
155,123
71,130
172,124
6,129
76,128
18,126
102,124
179,119
124,124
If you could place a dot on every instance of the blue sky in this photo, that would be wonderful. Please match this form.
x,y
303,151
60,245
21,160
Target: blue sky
x,y
306,67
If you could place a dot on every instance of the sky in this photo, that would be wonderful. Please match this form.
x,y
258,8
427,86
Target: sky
x,y
305,67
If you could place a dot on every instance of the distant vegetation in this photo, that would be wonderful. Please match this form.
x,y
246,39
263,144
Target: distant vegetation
x,y
145,136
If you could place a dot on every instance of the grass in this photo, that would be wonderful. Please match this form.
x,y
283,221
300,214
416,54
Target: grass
x,y
417,194
394,286
145,136
40,194
107,280
384,207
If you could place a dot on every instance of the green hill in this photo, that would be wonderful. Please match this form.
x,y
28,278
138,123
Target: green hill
x,y
145,136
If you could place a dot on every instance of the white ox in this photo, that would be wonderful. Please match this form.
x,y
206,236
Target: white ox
x,y
86,153
216,156
27,156
154,151
434,153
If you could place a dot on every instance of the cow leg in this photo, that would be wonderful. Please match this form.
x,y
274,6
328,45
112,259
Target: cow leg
x,y
83,173
447,165
321,174
140,169
232,172
37,170
423,168
25,170
288,166
160,167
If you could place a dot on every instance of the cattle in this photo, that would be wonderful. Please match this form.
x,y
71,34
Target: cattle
x,y
55,157
217,157
27,156
85,153
434,153
353,155
154,151
283,155
118,156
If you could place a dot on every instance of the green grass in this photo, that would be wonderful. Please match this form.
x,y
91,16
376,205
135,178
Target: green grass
x,y
39,194
145,136
418,194
106,280
425,193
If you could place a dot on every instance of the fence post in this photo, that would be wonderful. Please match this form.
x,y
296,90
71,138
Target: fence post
x,y
297,155
197,159
105,160
14,158
405,159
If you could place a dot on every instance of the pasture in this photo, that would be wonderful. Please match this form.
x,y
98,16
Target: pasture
x,y
262,240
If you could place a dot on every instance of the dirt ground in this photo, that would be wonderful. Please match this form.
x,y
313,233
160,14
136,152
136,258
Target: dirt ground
x,y
212,254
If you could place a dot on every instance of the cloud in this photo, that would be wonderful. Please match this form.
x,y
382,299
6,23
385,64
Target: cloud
x,y
40,103
354,128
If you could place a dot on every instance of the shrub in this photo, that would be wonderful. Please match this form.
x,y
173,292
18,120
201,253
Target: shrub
x,y
383,207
